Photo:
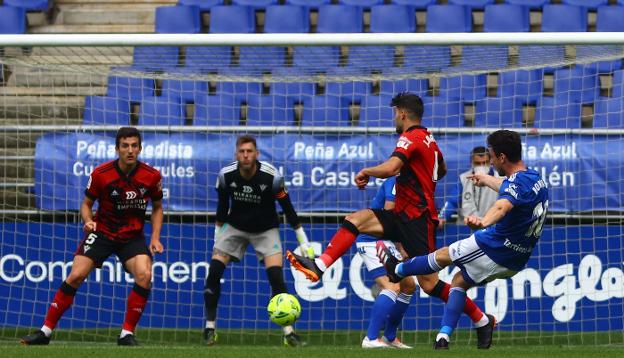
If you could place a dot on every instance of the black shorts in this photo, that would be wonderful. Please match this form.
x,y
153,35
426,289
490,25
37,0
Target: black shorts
x,y
417,235
98,248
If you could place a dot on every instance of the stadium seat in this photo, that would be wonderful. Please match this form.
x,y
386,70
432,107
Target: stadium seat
x,y
318,58
330,111
371,57
29,5
585,53
218,110
557,112
534,55
354,91
590,4
362,3
131,88
269,110
577,84
506,18
427,58
484,57
467,87
443,112
525,86
161,111
473,4
415,4
204,5
375,111
258,4
609,18
448,18
155,58
609,113
106,110
177,20
617,84
495,112
392,18
392,87
12,20
564,18
207,58
340,19
312,4
184,90
240,90
295,91
532,4
232,20
286,19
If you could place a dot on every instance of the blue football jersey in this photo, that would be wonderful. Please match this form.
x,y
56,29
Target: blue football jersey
x,y
385,193
510,241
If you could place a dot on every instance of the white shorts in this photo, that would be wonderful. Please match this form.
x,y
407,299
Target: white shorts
x,y
475,265
368,252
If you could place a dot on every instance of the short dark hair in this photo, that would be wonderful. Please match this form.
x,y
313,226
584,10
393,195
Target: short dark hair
x,y
409,102
479,150
506,142
127,132
246,139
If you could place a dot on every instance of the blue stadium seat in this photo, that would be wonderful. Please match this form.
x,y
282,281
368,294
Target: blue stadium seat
x,y
473,4
578,84
340,19
443,112
258,4
557,112
12,20
448,18
375,111
131,88
354,91
392,18
533,55
532,4
318,58
185,90
269,110
495,112
218,110
427,58
564,18
609,18
295,91
362,3
286,19
29,5
155,58
161,111
325,110
590,4
617,84
242,91
177,20
208,58
467,87
232,20
106,110
609,113
204,5
525,86
416,4
392,87
371,57
312,4
584,53
506,18
484,57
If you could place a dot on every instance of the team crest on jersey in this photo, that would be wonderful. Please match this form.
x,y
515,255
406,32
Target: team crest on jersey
x,y
142,190
263,187
404,143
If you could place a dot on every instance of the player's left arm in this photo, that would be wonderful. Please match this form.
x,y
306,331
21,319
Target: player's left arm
x,y
390,167
498,211
155,245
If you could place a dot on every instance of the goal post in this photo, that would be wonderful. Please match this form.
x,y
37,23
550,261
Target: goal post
x,y
319,106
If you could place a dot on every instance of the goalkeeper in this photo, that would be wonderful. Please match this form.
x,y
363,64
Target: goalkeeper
x,y
246,214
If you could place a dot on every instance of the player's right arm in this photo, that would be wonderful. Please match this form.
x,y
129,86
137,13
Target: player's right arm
x,y
487,180
86,212
389,168
496,213
223,204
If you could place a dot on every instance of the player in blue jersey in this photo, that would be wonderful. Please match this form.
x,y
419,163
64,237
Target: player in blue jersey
x,y
383,310
505,238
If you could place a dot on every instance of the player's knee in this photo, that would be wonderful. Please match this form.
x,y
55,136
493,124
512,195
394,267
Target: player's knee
x,y
143,277
427,285
407,285
75,279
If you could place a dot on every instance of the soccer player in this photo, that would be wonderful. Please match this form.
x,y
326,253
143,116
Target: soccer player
x,y
412,222
122,188
505,238
246,214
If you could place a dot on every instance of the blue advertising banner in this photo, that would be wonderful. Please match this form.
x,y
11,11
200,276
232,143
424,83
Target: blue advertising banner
x,y
573,282
584,173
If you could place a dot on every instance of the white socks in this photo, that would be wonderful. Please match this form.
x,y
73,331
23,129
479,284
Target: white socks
x,y
124,333
46,330
443,335
482,322
210,324
320,264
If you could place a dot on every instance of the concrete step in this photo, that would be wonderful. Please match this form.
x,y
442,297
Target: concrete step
x,y
39,106
40,121
91,29
44,78
13,152
108,14
103,2
52,91
17,170
19,141
16,199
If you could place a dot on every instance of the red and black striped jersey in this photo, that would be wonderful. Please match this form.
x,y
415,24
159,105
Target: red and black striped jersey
x,y
416,183
122,199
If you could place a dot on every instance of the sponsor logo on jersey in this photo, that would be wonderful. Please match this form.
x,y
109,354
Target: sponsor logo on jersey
x,y
131,195
404,143
247,189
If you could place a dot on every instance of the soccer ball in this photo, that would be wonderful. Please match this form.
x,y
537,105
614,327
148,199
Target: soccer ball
x,y
284,309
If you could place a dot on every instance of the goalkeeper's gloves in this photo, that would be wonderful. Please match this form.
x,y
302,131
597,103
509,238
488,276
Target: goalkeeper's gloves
x,y
304,244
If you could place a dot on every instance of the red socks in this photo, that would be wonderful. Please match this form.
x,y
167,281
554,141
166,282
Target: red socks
x,y
136,304
63,298
340,243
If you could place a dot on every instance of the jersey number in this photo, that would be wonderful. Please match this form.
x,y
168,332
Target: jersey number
x,y
91,239
539,215
434,177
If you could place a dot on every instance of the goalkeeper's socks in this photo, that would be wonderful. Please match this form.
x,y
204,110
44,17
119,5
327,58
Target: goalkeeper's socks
x,y
136,304
453,309
396,316
419,265
381,308
288,330
441,290
340,243
63,299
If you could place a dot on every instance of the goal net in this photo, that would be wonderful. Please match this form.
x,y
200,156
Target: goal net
x,y
319,108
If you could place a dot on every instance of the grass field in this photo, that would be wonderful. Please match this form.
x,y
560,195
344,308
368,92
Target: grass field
x,y
344,344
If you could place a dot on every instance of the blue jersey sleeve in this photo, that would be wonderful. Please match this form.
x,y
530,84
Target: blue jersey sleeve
x,y
516,193
452,203
389,189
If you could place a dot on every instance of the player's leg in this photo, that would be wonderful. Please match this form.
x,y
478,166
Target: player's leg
x,y
137,260
453,310
397,311
363,221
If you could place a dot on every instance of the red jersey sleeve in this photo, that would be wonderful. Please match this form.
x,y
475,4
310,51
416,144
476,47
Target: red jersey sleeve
x,y
155,190
405,148
93,186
